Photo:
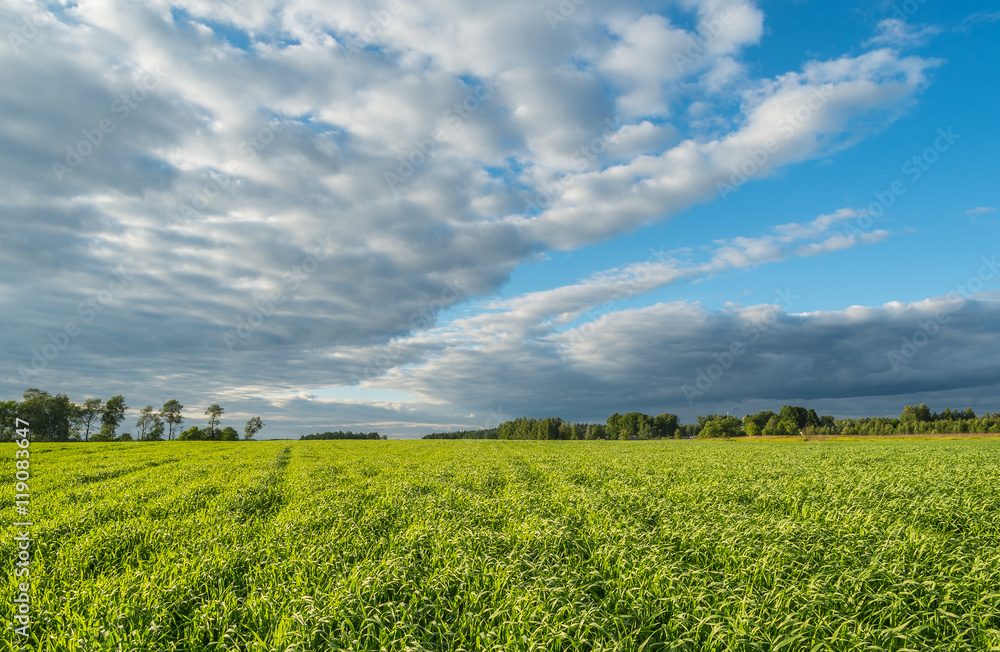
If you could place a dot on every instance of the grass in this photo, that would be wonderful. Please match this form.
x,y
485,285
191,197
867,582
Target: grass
x,y
486,545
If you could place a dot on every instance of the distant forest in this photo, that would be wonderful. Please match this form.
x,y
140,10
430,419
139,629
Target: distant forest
x,y
56,418
791,421
344,435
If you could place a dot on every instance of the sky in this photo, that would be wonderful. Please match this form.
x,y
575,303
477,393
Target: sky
x,y
411,217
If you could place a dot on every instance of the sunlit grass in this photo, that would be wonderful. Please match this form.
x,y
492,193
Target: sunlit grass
x,y
486,545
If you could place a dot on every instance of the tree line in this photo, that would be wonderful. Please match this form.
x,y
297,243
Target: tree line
x,y
790,421
56,418
633,425
485,433
340,434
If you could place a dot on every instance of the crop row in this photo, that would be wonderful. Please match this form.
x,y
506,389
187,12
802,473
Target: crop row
x,y
486,545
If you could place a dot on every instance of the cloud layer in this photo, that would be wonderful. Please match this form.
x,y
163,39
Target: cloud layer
x,y
231,199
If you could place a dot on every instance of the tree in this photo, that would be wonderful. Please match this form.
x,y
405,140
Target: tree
x,y
795,415
787,428
194,433
252,428
914,414
32,410
613,425
88,414
145,421
112,417
229,434
665,425
751,429
720,426
214,411
760,419
711,430
155,429
172,415
8,413
49,416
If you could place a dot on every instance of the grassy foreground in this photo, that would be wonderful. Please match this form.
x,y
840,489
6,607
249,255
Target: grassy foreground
x,y
486,545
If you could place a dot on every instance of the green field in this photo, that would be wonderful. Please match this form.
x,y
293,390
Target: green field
x,y
487,545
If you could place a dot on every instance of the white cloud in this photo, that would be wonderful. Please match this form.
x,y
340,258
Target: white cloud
x,y
893,32
244,190
549,323
794,118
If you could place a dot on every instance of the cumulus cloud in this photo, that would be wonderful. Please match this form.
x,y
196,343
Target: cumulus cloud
x,y
684,358
577,335
799,116
278,196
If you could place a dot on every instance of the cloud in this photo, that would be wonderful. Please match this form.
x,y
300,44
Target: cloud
x,y
537,313
894,32
884,355
979,17
295,194
980,210
797,117
652,56
550,334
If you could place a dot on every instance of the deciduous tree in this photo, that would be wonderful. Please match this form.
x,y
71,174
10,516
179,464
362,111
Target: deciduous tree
x,y
172,415
254,425
112,417
155,429
88,415
145,421
214,411
50,416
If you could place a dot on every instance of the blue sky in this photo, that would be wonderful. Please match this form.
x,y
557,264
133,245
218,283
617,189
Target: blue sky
x,y
409,217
